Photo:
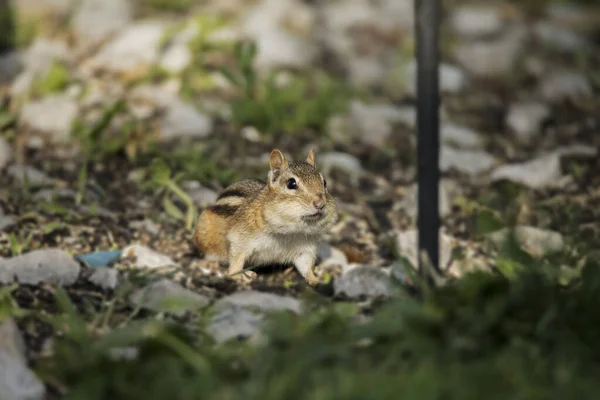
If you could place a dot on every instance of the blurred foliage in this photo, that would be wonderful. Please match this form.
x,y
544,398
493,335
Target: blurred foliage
x,y
168,5
292,107
526,337
56,80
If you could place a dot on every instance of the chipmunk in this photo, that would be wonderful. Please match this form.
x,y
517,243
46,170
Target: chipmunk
x,y
275,221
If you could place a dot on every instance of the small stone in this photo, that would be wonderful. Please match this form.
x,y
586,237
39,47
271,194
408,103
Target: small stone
x,y
136,47
17,381
5,153
277,46
104,277
201,195
234,323
341,161
262,301
42,53
6,221
10,66
559,38
158,295
23,173
53,115
95,20
148,225
363,281
460,136
537,242
52,266
176,58
329,255
537,173
561,85
476,21
525,119
470,162
492,58
146,257
184,120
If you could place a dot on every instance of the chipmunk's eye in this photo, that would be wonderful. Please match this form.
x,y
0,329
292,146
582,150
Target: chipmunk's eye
x,y
291,184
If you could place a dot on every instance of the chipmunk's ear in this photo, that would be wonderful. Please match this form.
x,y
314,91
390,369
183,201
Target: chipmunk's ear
x,y
311,157
277,163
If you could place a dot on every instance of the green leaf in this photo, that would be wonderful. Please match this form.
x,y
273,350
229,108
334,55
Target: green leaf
x,y
509,268
487,221
160,172
234,80
172,209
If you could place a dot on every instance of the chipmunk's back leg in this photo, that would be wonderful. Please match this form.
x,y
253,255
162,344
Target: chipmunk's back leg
x,y
210,235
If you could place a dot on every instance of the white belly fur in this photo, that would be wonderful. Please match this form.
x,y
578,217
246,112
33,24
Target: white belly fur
x,y
283,249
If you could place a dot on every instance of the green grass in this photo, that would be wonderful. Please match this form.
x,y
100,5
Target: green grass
x,y
485,335
303,104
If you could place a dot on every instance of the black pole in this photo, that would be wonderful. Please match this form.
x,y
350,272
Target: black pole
x,y
427,18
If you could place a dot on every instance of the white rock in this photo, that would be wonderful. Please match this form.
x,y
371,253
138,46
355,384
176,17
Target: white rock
x,y
451,79
21,173
48,265
363,281
559,38
330,255
53,115
6,221
277,47
561,85
525,119
262,301
470,162
364,71
148,225
104,277
234,323
537,173
176,58
95,20
17,381
537,242
459,135
135,47
201,195
342,161
167,295
476,21
5,153
579,150
492,58
146,257
184,120
43,52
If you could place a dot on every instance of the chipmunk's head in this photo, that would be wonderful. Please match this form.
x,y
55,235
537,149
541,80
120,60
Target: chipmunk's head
x,y
298,197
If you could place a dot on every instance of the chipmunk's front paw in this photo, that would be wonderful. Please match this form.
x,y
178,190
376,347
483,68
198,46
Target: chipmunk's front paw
x,y
245,277
311,278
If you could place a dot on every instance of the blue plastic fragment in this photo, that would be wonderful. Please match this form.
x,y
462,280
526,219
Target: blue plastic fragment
x,y
99,258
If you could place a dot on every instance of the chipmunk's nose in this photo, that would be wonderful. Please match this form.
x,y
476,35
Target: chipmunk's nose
x,y
319,203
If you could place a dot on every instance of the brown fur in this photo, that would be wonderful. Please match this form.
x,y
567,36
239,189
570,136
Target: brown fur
x,y
251,214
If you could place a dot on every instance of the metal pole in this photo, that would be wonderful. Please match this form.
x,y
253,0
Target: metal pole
x,y
427,17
